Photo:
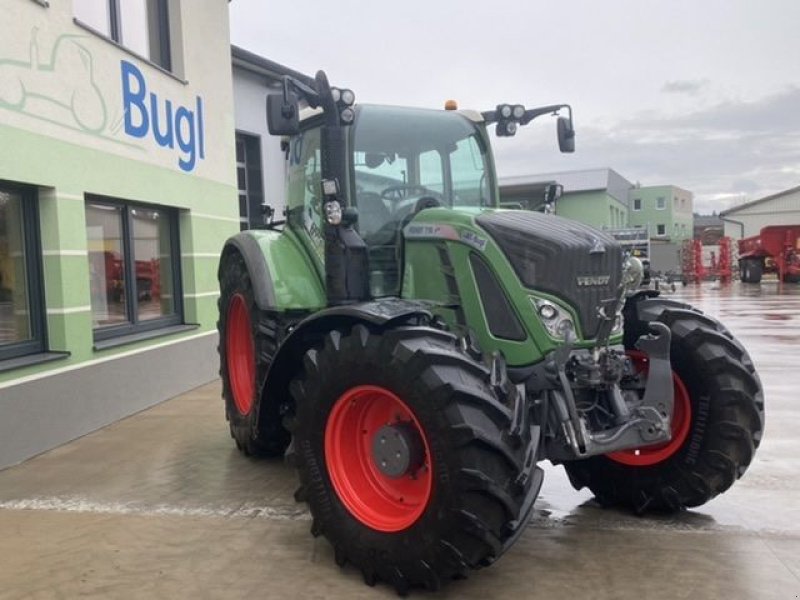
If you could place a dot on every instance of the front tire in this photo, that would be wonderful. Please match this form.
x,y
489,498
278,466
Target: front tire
x,y
718,390
469,489
246,346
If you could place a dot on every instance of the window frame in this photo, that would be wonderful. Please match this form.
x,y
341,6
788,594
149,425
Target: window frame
x,y
34,270
663,201
663,227
254,180
635,200
164,59
135,326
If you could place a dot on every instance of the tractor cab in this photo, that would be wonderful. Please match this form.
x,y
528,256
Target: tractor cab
x,y
406,160
358,175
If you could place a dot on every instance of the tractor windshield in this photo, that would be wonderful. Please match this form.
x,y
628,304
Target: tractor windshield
x,y
408,159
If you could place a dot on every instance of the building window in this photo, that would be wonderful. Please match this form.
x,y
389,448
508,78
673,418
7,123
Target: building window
x,y
661,229
637,204
22,328
661,203
250,182
134,267
142,26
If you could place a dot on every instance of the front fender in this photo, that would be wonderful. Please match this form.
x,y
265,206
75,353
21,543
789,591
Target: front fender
x,y
377,314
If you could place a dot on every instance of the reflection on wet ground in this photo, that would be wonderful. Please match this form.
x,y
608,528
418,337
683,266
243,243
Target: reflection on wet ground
x,y
162,505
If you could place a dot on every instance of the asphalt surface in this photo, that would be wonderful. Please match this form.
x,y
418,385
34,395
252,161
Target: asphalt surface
x,y
161,505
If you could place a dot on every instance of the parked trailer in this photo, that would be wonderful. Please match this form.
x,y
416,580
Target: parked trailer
x,y
776,249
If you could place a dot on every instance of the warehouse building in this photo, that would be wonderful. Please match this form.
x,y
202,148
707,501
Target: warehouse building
x,y
117,191
747,219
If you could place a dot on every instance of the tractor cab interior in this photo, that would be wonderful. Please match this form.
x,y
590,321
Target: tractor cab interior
x,y
407,160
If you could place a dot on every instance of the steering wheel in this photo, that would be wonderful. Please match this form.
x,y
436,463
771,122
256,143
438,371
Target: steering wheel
x,y
395,193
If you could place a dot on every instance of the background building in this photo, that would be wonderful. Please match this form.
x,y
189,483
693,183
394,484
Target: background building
x,y
260,163
605,199
665,209
708,228
747,219
597,197
117,191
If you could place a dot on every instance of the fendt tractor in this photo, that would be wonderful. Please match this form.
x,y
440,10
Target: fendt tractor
x,y
416,351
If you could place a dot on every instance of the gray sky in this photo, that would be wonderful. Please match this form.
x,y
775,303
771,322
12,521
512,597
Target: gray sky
x,y
700,94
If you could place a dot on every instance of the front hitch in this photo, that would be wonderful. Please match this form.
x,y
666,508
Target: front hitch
x,y
647,423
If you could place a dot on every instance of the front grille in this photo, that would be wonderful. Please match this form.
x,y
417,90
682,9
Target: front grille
x,y
552,254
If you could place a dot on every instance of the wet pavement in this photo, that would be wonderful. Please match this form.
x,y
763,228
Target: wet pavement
x,y
161,505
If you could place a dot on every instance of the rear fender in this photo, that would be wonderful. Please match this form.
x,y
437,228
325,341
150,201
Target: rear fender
x,y
283,276
260,276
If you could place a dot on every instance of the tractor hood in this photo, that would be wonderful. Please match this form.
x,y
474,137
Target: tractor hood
x,y
567,259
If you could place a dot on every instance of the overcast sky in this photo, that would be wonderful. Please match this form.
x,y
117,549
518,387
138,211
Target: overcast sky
x,y
702,94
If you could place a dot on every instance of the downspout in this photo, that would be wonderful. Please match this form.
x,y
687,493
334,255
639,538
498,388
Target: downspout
x,y
734,221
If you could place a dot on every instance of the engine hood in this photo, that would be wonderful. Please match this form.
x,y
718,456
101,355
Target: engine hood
x,y
565,258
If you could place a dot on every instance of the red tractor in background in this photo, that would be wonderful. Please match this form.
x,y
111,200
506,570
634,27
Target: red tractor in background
x,y
776,249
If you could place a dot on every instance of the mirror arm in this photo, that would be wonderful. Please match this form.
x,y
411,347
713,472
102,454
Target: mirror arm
x,y
532,113
306,91
491,116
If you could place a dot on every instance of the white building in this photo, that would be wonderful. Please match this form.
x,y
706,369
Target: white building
x,y
259,159
747,219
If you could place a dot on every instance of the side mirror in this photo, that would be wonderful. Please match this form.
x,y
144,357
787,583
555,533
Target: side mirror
x,y
283,115
566,135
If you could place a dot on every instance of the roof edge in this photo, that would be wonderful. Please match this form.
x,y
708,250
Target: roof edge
x,y
735,209
263,66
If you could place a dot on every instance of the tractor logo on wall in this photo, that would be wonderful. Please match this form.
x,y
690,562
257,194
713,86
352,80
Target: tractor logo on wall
x,y
62,89
59,89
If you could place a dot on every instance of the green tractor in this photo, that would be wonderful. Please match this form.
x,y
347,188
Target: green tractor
x,y
415,351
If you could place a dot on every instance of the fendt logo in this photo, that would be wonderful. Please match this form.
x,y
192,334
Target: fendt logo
x,y
593,280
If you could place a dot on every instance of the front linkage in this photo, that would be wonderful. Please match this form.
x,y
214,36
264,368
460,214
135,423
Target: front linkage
x,y
631,421
595,401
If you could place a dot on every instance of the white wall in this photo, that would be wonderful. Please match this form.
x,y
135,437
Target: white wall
x,y
784,210
250,110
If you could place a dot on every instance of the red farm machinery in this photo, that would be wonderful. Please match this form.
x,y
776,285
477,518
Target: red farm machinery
x,y
776,249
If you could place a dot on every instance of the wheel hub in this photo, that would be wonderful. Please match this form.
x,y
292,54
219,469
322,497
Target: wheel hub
x,y
397,450
368,426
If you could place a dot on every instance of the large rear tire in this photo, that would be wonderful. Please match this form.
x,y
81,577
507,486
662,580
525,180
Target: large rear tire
x,y
246,346
464,497
717,390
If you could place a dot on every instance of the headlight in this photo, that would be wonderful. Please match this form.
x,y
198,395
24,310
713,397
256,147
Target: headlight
x,y
333,212
348,97
557,321
547,310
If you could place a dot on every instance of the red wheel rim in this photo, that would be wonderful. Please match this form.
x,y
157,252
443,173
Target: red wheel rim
x,y
681,420
378,501
240,354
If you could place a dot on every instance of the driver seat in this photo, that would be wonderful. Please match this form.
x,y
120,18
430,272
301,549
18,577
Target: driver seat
x,y
372,213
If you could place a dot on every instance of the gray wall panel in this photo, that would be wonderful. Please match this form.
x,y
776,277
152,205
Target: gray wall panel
x,y
47,412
